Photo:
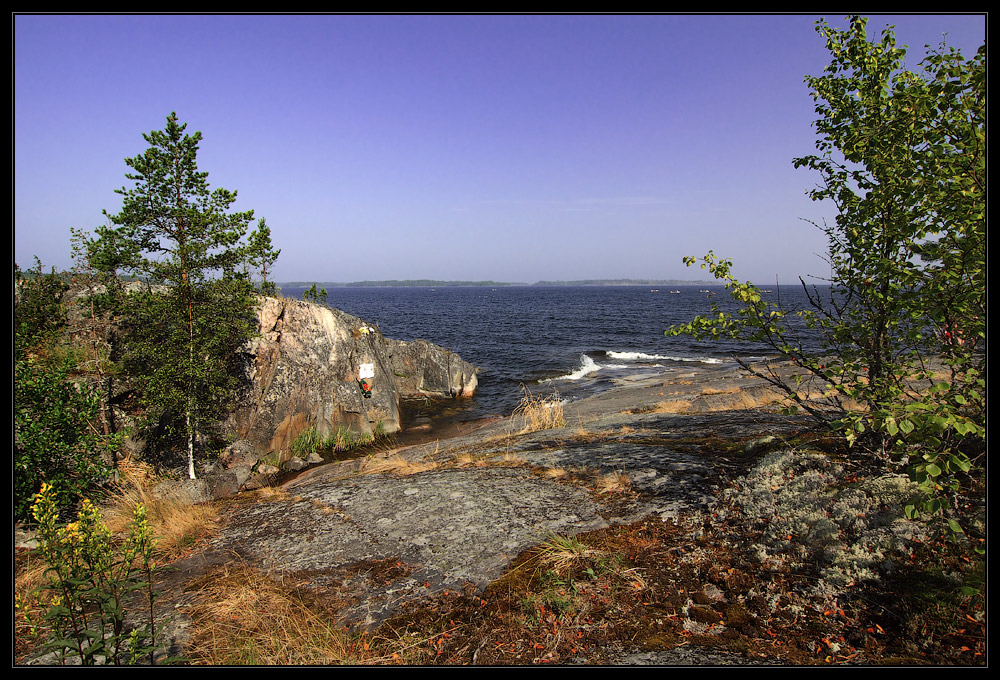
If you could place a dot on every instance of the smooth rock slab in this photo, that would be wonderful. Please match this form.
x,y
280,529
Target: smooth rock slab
x,y
456,528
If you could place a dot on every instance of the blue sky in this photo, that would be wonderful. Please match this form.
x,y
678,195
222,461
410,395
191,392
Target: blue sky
x,y
513,148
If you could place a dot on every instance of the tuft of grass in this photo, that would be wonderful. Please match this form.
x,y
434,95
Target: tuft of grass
x,y
398,465
272,493
561,553
176,522
342,440
309,441
615,482
467,459
556,473
671,406
512,459
714,390
538,413
245,617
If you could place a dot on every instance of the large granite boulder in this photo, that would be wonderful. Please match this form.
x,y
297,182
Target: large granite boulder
x,y
306,369
423,369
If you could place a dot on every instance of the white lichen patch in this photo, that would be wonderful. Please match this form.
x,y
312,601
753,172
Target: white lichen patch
x,y
807,515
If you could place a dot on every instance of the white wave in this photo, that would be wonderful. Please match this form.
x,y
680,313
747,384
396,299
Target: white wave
x,y
633,356
642,356
587,366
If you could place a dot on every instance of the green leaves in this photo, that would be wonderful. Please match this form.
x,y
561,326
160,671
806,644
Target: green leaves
x,y
181,345
88,580
902,157
38,312
54,441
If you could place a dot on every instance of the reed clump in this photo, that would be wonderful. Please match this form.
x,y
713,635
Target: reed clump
x,y
539,413
340,440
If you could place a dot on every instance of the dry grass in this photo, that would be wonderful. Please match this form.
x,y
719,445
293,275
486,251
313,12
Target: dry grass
x,y
30,603
556,473
244,617
671,406
176,523
822,400
512,459
324,508
714,390
615,482
538,413
466,459
271,493
601,483
31,575
398,465
745,400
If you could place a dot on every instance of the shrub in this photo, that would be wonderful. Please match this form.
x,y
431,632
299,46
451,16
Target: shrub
x,y
54,441
89,581
902,156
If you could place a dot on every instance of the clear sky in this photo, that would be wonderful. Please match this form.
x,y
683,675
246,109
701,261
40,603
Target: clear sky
x,y
512,148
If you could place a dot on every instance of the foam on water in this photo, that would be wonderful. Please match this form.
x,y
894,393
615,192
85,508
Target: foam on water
x,y
587,366
642,356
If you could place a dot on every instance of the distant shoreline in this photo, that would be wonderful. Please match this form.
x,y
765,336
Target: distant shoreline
x,y
428,283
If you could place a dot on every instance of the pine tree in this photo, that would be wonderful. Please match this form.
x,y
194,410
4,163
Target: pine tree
x,y
181,342
262,256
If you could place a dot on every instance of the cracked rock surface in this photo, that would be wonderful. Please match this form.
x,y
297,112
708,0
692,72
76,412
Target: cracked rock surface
x,y
455,528
381,539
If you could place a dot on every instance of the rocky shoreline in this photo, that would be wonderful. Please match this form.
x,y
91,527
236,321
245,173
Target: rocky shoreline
x,y
715,497
458,511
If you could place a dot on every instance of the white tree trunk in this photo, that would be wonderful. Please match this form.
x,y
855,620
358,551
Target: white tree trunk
x,y
191,474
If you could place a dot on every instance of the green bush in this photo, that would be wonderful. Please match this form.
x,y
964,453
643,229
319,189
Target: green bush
x,y
54,441
38,311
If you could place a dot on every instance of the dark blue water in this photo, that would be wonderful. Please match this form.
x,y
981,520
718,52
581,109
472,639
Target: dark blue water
x,y
573,341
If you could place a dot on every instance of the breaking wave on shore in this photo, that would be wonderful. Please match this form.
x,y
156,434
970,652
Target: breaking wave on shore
x,y
627,362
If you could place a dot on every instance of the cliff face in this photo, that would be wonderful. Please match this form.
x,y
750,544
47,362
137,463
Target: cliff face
x,y
305,372
423,369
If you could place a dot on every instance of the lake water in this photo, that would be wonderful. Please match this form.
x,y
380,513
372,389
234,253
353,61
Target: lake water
x,y
572,341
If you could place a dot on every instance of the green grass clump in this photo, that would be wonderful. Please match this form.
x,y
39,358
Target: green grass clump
x,y
340,441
